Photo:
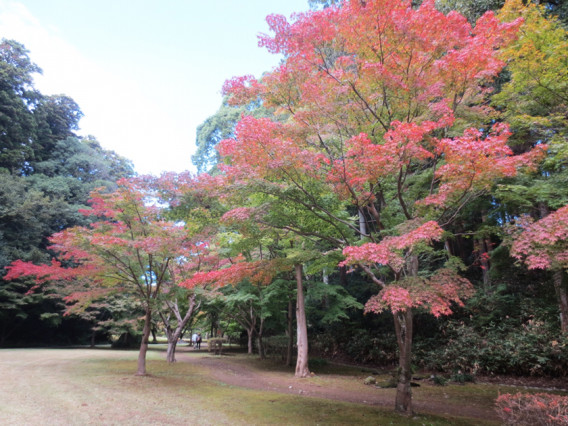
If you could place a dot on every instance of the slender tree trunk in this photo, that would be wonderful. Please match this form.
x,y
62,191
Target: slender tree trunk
x,y
302,329
289,332
250,334
343,276
174,336
362,225
403,328
261,351
562,296
93,338
172,341
144,345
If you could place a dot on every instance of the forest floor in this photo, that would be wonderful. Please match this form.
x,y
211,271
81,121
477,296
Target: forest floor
x,y
98,386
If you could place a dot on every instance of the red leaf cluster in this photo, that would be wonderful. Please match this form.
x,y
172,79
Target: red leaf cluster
x,y
535,409
436,294
543,244
391,251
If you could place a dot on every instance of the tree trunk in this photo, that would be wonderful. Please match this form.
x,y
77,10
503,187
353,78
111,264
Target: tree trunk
x,y
172,344
289,332
250,334
144,345
173,337
562,296
261,351
302,329
403,328
362,225
93,338
343,276
483,247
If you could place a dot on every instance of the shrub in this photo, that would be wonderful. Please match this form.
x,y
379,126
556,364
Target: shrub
x,y
366,348
536,409
359,345
533,349
459,377
315,363
439,380
276,346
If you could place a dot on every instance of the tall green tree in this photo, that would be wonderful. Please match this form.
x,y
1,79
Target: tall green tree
x,y
214,129
46,175
17,100
219,126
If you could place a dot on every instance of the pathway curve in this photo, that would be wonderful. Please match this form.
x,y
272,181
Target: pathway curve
x,y
230,371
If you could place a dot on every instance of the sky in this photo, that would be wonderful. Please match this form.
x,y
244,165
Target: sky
x,y
145,73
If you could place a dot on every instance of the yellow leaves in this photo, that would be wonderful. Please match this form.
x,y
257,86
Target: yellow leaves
x,y
538,61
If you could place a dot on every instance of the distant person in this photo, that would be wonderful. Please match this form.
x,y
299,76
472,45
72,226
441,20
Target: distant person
x,y
198,341
194,339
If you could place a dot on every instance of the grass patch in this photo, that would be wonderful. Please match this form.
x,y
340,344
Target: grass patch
x,y
82,386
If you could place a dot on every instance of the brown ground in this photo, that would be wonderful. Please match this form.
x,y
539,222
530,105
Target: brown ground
x,y
235,371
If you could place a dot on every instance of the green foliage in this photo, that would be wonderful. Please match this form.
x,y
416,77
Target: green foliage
x,y
533,349
57,117
214,129
460,377
471,9
316,363
17,99
358,344
439,380
534,98
46,174
316,4
276,346
328,304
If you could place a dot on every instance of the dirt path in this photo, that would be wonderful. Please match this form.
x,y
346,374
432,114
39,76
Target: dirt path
x,y
230,371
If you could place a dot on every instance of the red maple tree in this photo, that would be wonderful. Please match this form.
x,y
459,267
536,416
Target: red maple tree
x,y
544,245
130,247
371,97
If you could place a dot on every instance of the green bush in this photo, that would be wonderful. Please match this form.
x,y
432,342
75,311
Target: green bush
x,y
276,346
533,349
366,348
316,363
